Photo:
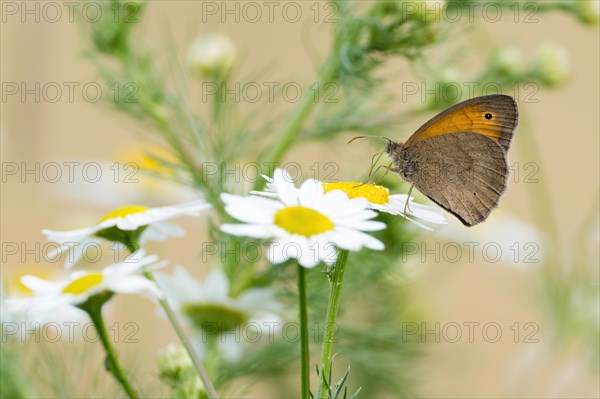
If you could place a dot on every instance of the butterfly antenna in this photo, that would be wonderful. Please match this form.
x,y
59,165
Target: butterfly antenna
x,y
368,137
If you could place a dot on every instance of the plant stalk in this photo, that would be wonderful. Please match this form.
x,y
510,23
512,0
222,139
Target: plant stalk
x,y
302,306
330,320
112,363
164,304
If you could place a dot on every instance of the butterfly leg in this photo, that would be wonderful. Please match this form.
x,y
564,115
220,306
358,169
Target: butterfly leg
x,y
373,163
406,206
387,169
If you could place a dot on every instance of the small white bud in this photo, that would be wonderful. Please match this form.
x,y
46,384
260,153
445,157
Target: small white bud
x,y
551,64
509,60
212,55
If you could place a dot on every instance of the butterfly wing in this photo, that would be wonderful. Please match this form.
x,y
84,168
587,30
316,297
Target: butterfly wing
x,y
465,173
494,116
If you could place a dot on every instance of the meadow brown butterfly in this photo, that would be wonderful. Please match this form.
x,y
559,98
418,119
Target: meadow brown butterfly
x,y
458,158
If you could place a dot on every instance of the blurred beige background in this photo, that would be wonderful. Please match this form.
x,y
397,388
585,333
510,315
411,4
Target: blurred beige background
x,y
564,124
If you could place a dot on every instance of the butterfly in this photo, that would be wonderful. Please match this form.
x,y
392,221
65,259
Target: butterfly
x,y
459,158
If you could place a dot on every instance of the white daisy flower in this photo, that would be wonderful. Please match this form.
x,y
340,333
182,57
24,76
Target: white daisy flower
x,y
14,288
380,200
306,223
51,297
211,309
133,223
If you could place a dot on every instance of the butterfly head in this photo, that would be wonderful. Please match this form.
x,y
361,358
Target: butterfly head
x,y
403,159
392,148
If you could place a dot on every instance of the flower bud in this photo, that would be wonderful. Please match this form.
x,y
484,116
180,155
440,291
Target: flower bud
x,y
551,65
509,61
176,368
212,55
111,33
173,362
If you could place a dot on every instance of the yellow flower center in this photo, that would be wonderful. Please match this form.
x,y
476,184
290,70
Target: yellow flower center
x,y
372,192
302,220
124,211
83,283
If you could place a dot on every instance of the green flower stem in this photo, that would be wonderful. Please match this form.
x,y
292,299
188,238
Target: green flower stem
x,y
302,306
94,310
164,304
332,311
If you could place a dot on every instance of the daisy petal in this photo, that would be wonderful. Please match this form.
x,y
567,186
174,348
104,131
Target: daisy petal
x,y
310,192
216,285
250,230
134,285
284,186
37,284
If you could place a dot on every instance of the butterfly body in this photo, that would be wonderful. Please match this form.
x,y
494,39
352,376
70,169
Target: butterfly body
x,y
458,159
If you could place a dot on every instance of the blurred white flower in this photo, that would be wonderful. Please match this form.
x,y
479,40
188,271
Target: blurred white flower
x,y
306,223
50,298
14,317
213,312
133,222
212,55
510,240
551,64
509,60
